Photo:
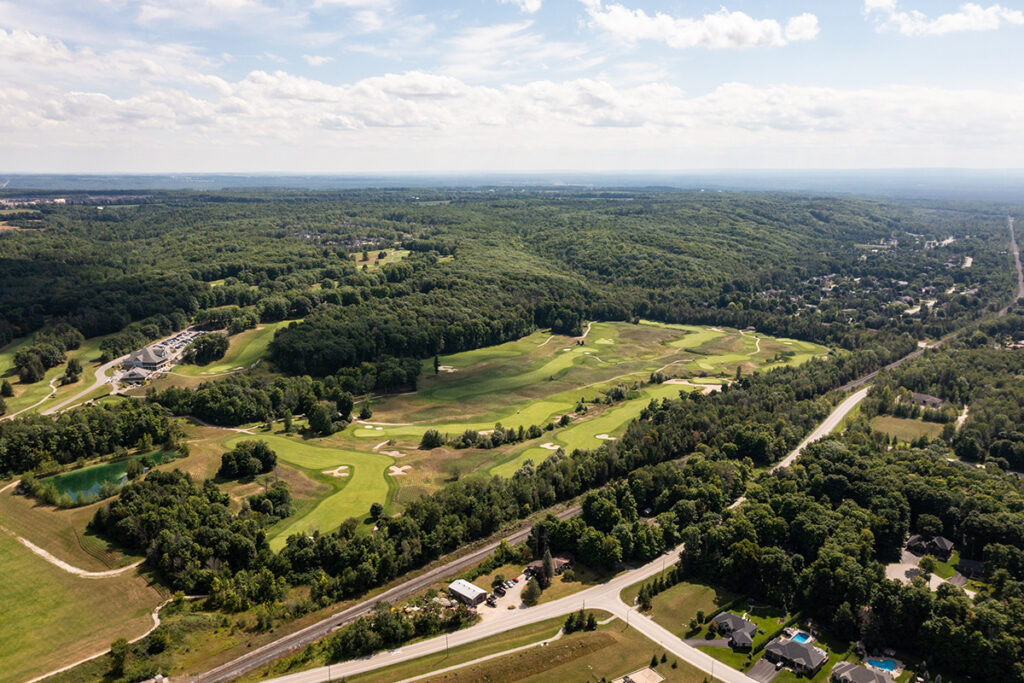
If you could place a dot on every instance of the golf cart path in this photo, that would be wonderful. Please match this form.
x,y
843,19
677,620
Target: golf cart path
x,y
70,568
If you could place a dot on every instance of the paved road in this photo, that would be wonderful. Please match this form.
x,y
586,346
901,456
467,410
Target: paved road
x,y
101,379
301,638
603,597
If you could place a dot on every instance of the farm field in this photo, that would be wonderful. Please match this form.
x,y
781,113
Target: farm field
x,y
905,429
53,618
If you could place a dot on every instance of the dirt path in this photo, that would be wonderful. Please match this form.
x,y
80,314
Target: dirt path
x,y
543,343
204,423
155,614
69,568
585,332
962,417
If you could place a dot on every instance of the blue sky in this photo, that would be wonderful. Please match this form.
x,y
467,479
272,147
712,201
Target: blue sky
x,y
516,85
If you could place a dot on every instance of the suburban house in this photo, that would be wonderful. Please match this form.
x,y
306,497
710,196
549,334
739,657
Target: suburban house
x,y
938,546
848,672
150,358
738,630
467,593
559,563
801,657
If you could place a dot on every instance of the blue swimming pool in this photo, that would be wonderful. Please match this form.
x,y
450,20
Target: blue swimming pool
x,y
885,664
801,637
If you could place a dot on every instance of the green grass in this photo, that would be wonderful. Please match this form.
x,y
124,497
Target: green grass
x,y
733,658
674,608
609,652
246,349
52,618
945,570
352,496
905,429
27,395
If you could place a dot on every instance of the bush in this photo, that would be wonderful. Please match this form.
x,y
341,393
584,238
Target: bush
x,y
531,594
431,439
246,460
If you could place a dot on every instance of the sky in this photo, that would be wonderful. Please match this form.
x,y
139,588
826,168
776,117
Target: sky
x,y
403,86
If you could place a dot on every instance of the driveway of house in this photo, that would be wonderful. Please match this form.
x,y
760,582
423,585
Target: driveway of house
x,y
763,671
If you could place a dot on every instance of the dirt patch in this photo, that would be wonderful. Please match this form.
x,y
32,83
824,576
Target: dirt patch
x,y
396,470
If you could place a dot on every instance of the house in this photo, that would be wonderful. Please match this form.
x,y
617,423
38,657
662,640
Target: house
x,y
927,400
466,592
938,546
801,657
738,630
848,672
150,358
972,569
559,563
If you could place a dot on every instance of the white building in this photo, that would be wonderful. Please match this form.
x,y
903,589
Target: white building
x,y
466,592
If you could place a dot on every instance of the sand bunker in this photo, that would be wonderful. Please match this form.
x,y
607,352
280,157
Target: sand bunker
x,y
446,368
340,471
381,444
605,437
395,470
394,454
550,446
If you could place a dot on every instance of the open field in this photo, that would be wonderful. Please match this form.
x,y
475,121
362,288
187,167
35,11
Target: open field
x,y
52,618
61,532
905,429
246,349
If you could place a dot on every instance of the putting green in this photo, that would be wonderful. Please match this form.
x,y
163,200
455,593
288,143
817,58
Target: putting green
x,y
366,483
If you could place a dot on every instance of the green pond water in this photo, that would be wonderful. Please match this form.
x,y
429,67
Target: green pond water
x,y
88,480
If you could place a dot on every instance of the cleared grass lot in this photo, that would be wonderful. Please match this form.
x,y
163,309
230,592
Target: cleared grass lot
x,y
905,429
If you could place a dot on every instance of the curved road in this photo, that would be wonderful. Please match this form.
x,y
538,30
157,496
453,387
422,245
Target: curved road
x,y
101,379
603,597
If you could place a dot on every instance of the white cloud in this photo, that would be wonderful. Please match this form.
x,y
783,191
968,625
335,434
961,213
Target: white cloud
x,y
503,50
528,6
969,17
213,14
317,60
720,30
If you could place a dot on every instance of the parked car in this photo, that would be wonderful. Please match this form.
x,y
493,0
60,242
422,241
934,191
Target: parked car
x,y
515,579
498,590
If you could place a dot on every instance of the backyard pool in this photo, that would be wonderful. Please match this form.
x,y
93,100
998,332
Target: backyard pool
x,y
801,637
883,664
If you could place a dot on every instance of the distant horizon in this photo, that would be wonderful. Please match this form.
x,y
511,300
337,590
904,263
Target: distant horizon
x,y
1005,185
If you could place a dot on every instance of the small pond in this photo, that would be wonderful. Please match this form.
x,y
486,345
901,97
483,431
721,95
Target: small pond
x,y
87,481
